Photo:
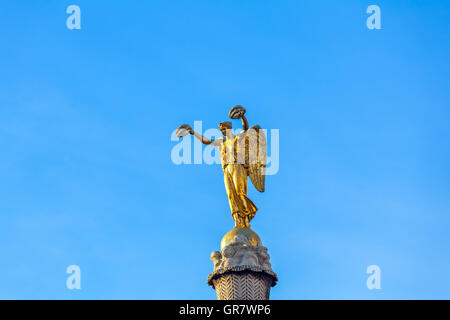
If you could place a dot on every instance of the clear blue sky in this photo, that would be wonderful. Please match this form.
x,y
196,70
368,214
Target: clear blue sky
x,y
86,117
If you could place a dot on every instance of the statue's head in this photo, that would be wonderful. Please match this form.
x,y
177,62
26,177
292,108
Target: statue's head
x,y
225,127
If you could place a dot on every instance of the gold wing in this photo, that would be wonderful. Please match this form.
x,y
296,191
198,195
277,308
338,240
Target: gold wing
x,y
256,156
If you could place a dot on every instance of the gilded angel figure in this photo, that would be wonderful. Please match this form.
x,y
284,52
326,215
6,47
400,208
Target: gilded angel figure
x,y
241,155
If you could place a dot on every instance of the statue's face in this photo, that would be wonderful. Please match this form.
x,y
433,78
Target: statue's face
x,y
225,127
224,131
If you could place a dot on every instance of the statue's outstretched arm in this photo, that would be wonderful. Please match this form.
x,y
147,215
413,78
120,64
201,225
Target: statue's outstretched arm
x,y
184,129
205,140
243,133
244,123
238,112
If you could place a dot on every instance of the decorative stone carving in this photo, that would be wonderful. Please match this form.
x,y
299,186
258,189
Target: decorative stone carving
x,y
242,269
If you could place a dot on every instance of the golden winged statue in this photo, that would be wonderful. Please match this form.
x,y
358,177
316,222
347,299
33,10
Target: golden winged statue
x,y
242,155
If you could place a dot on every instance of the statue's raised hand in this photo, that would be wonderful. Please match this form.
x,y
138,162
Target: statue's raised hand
x,y
236,112
183,130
